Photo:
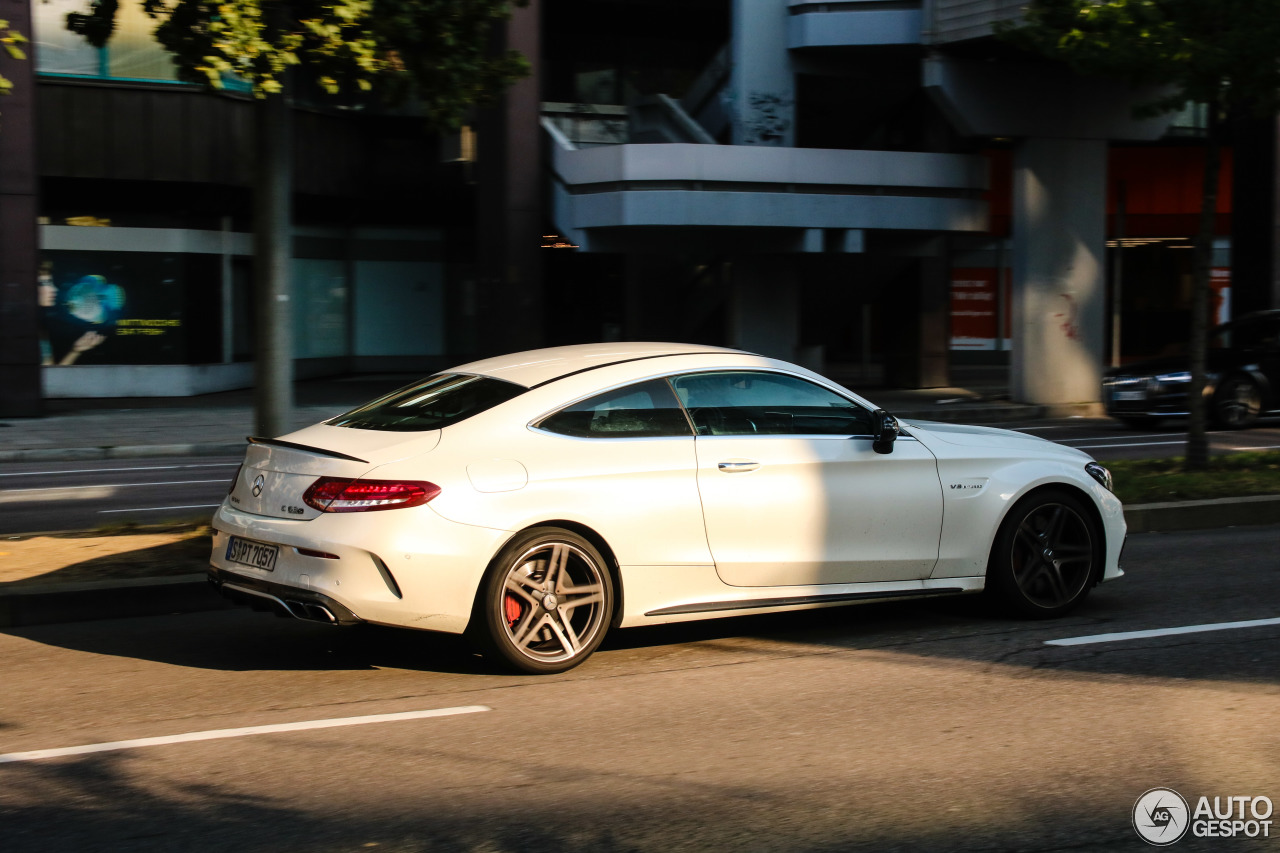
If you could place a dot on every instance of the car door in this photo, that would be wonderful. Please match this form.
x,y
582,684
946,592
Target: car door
x,y
624,460
792,491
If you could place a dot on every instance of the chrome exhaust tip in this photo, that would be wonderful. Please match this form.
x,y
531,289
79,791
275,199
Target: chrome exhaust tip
x,y
310,612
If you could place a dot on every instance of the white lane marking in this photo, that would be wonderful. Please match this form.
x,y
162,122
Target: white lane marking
x,y
1139,444
1160,632
1125,437
159,508
111,486
1040,428
217,734
116,470
1257,447
70,493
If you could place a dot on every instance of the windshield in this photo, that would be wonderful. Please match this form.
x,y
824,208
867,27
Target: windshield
x,y
434,403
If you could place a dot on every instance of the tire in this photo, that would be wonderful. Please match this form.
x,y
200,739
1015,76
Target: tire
x,y
1238,403
513,624
1047,556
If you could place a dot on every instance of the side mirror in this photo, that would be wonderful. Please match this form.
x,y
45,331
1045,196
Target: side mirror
x,y
884,431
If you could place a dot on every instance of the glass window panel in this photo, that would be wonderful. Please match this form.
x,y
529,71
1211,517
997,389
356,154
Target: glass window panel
x,y
646,410
320,308
435,403
58,50
133,53
759,403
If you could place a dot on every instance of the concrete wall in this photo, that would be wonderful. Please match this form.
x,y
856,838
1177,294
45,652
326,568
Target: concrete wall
x,y
858,24
144,380
959,20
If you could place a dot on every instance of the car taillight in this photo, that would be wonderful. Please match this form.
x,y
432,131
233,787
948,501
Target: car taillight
x,y
236,478
337,494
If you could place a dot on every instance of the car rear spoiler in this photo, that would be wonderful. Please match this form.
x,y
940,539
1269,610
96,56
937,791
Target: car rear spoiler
x,y
319,451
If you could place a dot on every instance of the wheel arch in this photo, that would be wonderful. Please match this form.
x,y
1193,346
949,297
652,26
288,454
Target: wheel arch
x,y
1073,489
592,536
1264,385
1248,372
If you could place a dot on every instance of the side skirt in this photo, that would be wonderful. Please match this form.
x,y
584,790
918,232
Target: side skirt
x,y
802,600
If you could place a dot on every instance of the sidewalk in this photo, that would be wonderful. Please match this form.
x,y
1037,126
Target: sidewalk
x,y
218,423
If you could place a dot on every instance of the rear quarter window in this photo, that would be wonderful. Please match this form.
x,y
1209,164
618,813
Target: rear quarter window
x,y
434,403
644,410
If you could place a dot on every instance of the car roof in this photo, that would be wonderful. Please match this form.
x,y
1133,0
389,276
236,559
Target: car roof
x,y
536,367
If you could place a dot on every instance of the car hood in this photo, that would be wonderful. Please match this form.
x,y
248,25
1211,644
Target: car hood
x,y
1151,366
966,435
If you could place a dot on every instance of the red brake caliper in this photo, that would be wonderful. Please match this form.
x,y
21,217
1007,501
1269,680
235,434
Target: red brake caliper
x,y
513,607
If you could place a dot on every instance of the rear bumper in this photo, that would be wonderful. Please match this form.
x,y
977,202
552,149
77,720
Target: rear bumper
x,y
409,568
281,599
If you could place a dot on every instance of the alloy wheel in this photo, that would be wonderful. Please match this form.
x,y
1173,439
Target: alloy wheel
x,y
1239,403
553,603
1052,555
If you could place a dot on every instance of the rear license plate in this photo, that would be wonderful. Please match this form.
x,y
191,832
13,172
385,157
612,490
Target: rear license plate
x,y
1130,395
259,555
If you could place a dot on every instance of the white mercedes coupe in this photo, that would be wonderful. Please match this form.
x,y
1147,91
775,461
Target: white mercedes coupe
x,y
533,501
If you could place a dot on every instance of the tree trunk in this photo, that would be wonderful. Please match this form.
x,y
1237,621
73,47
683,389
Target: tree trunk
x,y
1197,440
273,250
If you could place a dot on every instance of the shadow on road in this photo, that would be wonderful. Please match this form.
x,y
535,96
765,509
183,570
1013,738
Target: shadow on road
x,y
1173,580
98,803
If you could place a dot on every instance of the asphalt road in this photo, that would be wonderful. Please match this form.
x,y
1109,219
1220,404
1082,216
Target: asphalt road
x,y
1104,438
40,497
907,726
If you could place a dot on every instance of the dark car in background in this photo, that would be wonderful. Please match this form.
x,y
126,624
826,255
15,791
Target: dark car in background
x,y
1242,367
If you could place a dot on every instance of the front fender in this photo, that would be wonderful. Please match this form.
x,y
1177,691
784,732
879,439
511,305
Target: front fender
x,y
971,519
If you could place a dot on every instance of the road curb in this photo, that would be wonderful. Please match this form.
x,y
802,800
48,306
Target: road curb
x,y
1202,515
83,602
191,593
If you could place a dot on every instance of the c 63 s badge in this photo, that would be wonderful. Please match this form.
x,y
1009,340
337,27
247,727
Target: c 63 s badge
x,y
966,488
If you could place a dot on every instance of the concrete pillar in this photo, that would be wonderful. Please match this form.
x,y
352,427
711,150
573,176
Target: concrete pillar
x,y
916,316
934,321
20,389
1059,288
764,306
762,82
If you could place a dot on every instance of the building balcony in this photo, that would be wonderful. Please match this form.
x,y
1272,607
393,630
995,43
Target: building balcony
x,y
853,23
631,197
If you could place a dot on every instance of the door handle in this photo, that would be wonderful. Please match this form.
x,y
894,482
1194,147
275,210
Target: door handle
x,y
738,466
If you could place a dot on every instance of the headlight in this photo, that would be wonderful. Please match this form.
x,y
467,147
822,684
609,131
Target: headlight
x,y
1102,475
1171,378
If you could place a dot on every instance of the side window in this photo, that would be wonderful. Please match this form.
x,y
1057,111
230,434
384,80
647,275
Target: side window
x,y
645,410
756,403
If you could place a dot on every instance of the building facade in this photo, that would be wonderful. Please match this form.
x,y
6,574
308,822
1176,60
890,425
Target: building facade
x,y
880,189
